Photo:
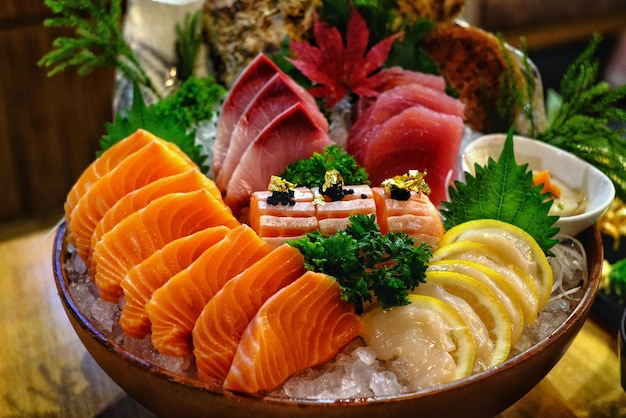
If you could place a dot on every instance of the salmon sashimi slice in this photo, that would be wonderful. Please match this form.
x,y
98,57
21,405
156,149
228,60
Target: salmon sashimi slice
x,y
143,232
187,181
102,165
225,317
417,216
276,223
333,215
152,162
303,325
175,307
152,273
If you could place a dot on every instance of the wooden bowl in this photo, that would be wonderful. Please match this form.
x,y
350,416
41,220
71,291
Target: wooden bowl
x,y
482,395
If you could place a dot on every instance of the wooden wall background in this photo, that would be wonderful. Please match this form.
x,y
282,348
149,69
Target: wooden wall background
x,y
49,127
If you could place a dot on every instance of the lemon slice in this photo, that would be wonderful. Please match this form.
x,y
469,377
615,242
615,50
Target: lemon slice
x,y
512,244
427,336
521,283
484,345
485,304
494,281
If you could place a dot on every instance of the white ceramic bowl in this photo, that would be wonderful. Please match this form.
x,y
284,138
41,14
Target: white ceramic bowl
x,y
569,169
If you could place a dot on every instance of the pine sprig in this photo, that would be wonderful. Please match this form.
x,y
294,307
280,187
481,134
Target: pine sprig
x,y
187,46
505,191
98,40
579,117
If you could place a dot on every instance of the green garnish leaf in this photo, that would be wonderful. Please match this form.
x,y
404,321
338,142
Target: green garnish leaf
x,y
310,172
366,263
167,127
187,45
505,191
98,40
580,115
617,279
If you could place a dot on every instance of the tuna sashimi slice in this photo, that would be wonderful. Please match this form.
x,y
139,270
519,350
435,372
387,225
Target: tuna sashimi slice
x,y
303,325
152,162
152,273
398,76
143,232
276,96
393,102
225,317
417,139
292,136
416,216
174,308
243,90
188,181
102,165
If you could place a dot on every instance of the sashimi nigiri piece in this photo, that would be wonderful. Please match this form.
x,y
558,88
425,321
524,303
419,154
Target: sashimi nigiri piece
x,y
292,136
392,102
303,325
416,216
333,215
103,164
175,306
187,181
417,139
225,317
143,232
276,96
243,90
152,162
152,273
277,223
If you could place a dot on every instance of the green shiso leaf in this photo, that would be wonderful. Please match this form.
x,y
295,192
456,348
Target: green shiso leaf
x,y
505,191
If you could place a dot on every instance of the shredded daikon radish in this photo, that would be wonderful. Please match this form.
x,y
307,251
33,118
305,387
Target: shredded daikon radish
x,y
569,267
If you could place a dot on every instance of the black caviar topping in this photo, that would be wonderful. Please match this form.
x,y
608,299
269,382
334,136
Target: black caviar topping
x,y
281,198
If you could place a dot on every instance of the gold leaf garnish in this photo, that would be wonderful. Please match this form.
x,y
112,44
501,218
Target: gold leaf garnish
x,y
411,181
278,184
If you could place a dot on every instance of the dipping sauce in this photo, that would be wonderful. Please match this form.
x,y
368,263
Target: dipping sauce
x,y
570,202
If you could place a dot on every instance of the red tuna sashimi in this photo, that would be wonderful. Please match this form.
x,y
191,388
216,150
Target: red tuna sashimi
x,y
102,165
142,233
247,85
225,317
398,76
417,139
152,273
292,136
175,306
304,324
152,162
393,102
276,96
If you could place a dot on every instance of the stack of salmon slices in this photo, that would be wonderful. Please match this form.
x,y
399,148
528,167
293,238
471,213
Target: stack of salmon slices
x,y
158,239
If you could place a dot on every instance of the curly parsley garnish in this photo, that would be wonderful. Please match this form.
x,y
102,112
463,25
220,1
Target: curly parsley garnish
x,y
171,119
367,263
505,191
310,172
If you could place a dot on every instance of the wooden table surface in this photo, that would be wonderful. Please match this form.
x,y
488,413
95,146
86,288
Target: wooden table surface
x,y
45,371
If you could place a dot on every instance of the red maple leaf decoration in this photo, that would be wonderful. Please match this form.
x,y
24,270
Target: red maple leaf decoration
x,y
337,70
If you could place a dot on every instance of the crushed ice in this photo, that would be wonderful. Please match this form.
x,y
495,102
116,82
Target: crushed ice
x,y
355,373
